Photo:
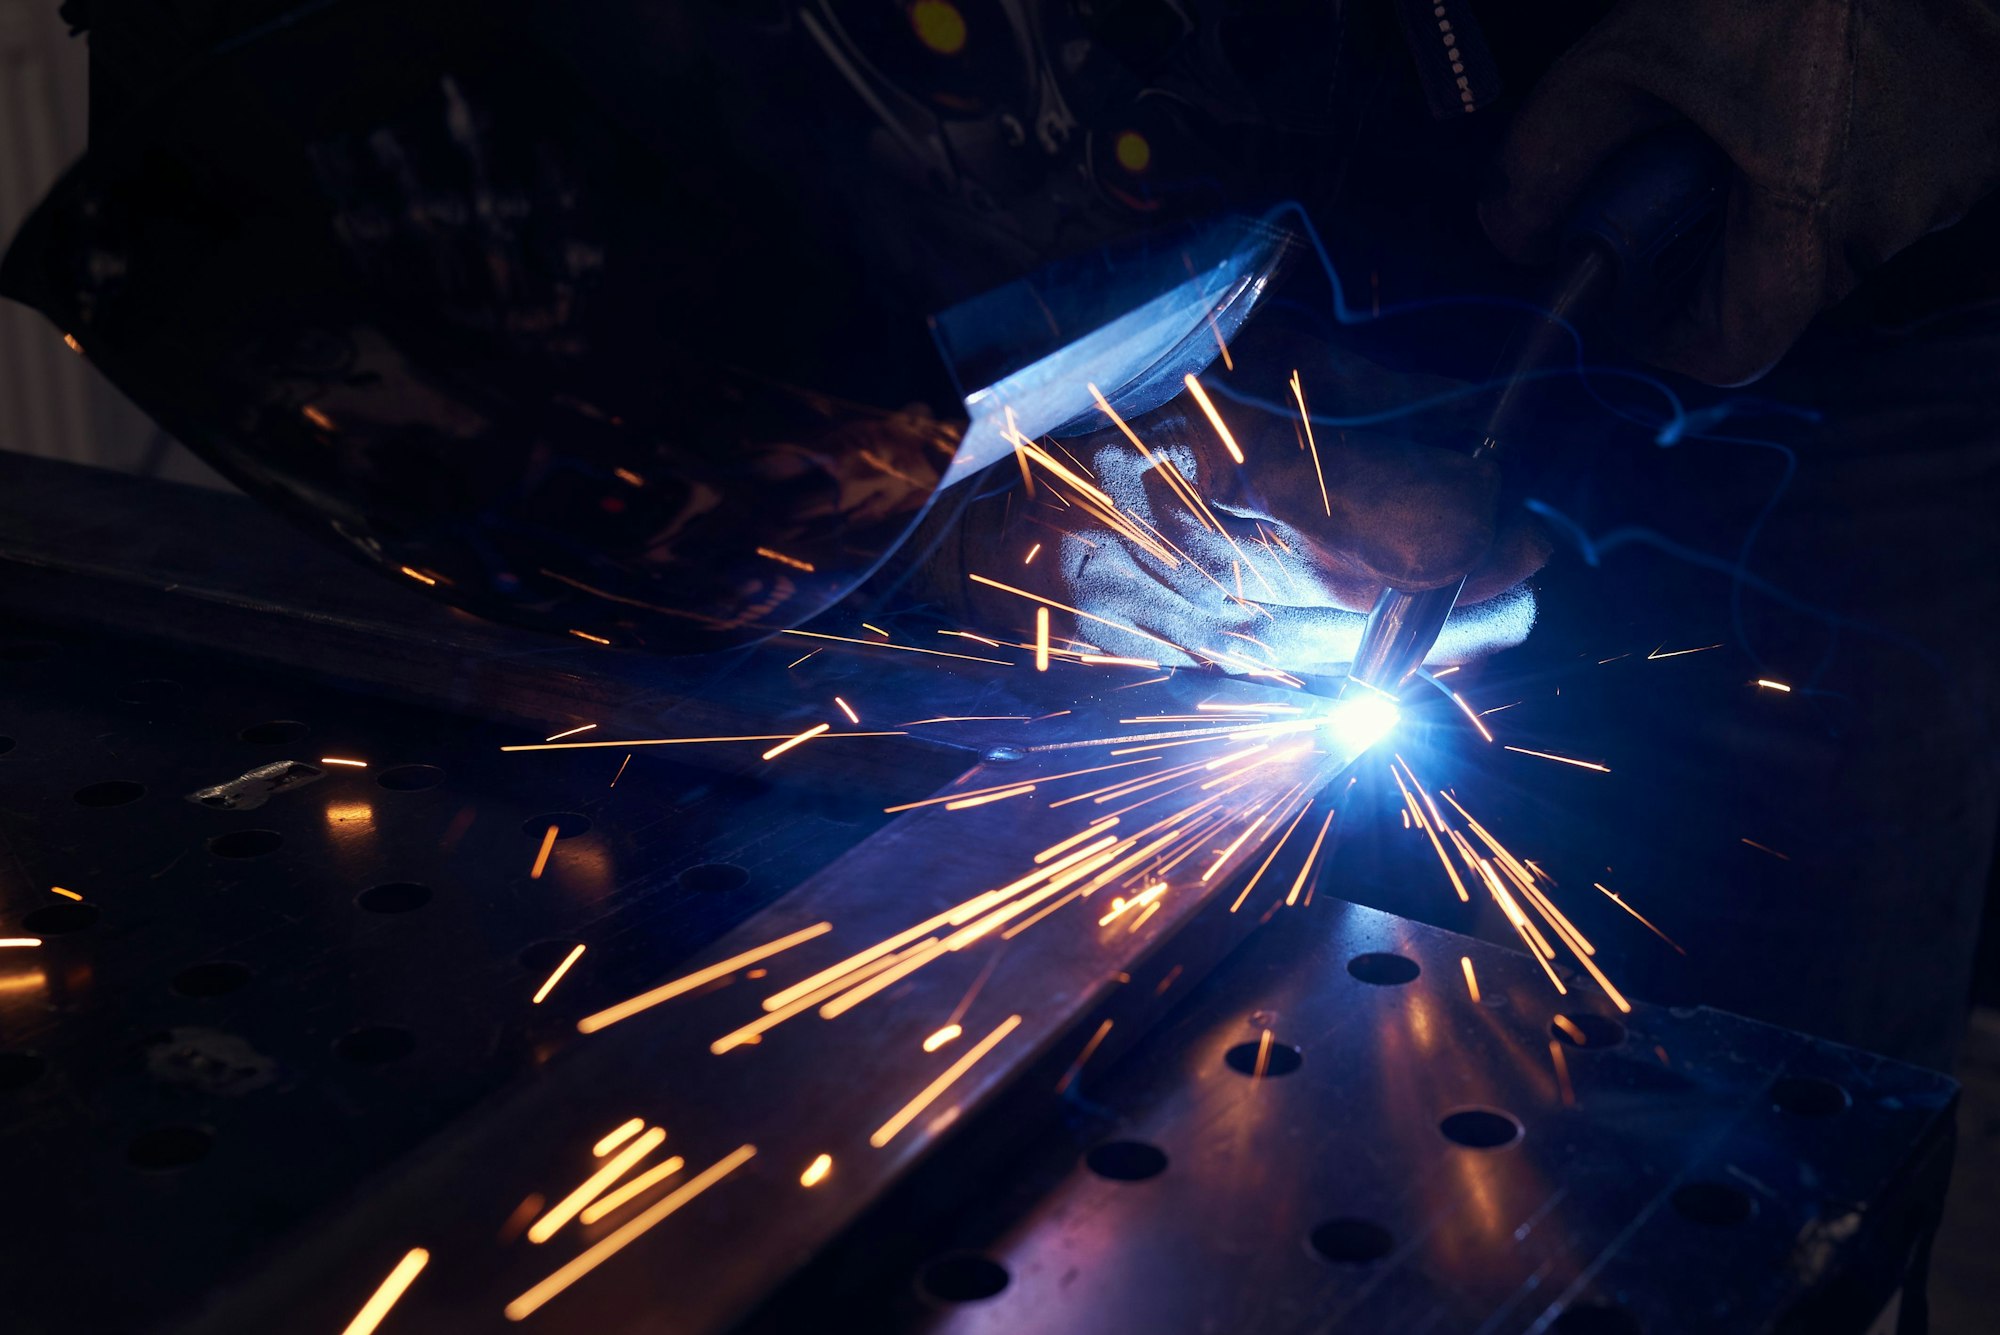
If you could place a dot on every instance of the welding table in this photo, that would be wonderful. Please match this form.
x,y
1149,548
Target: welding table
x,y
286,1035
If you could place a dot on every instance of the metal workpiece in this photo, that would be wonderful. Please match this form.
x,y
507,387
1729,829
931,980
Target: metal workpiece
x,y
863,1088
1414,1160
263,995
309,1001
319,935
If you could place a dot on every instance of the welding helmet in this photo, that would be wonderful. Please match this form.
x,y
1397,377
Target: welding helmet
x,y
604,320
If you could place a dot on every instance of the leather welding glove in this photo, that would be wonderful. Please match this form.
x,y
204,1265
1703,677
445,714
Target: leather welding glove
x,y
1855,126
1250,566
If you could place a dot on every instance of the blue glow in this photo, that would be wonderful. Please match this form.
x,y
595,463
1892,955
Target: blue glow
x,y
1358,722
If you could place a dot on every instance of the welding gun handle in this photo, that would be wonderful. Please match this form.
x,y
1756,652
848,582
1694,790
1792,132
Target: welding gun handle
x,y
1639,233
1652,214
1631,245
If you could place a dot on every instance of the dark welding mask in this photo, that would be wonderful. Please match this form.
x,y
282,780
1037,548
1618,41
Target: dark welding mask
x,y
635,349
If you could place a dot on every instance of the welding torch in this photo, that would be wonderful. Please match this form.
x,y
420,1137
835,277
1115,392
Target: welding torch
x,y
1640,232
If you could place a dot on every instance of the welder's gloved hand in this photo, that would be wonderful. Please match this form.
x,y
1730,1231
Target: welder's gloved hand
x,y
1855,126
1308,563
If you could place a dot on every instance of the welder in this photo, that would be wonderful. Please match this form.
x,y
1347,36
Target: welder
x,y
609,320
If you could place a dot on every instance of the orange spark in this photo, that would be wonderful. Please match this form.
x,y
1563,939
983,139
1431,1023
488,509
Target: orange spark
x,y
1214,417
942,1037
1175,483
611,1015
1041,639
337,760
66,894
542,992
1562,1072
1471,978
1643,920
1273,857
1263,1057
586,635
1069,774
847,709
962,803
1544,755
1095,828
1298,392
1032,551
784,560
370,1316
623,1132
901,648
1307,869
418,575
675,741
791,742
638,1186
1767,684
1431,830
1076,1067
542,856
1466,709
605,1248
887,1132
1076,611
595,1186
571,733
816,1171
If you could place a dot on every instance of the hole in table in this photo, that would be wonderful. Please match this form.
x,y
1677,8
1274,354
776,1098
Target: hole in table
x,y
214,978
1350,1241
1809,1096
375,1044
412,779
1126,1160
18,1070
241,844
1584,1029
1282,1059
60,919
962,1277
1716,1204
569,824
110,793
1383,969
169,1147
394,897
1481,1128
